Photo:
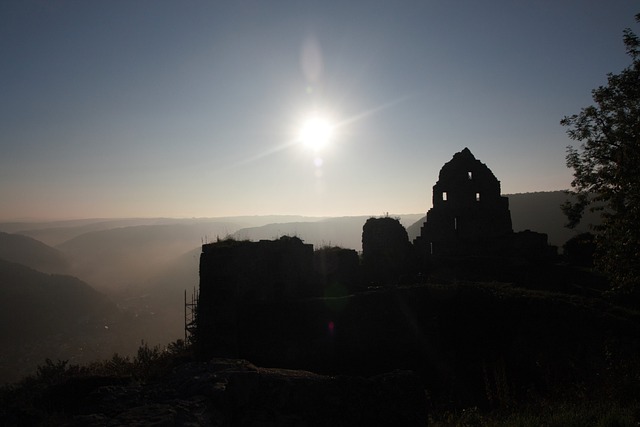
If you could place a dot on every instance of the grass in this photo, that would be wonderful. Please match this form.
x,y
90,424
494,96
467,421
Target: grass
x,y
545,414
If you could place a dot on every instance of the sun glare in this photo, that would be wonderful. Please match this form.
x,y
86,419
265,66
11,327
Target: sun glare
x,y
316,132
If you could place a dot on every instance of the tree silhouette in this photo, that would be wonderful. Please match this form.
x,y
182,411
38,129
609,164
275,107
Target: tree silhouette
x,y
579,249
607,169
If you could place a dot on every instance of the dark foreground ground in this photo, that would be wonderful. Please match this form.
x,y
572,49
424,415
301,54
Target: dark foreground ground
x,y
475,354
169,389
220,392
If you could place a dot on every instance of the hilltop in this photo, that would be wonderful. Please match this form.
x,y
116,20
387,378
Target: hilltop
x,y
33,253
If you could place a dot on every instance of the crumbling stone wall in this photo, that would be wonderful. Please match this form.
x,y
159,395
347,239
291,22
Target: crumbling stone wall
x,y
469,219
387,254
234,272
337,271
529,244
469,216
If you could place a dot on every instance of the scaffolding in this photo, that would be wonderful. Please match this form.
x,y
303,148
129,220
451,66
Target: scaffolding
x,y
190,315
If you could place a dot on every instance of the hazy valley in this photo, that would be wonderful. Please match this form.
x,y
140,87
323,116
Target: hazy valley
x,y
111,284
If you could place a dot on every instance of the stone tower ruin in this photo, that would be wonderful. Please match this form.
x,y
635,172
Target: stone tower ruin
x,y
233,273
469,216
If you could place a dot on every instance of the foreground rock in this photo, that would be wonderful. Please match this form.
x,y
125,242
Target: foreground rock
x,y
225,392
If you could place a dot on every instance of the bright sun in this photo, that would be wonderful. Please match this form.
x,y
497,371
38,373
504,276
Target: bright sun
x,y
316,132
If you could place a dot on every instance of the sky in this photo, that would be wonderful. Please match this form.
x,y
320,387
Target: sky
x,y
196,108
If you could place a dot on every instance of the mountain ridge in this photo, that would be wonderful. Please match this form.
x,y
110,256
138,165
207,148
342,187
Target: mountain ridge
x,y
32,253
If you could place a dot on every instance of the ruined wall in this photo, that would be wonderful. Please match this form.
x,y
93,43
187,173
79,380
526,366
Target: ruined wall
x,y
387,255
469,216
337,271
530,244
234,272
469,219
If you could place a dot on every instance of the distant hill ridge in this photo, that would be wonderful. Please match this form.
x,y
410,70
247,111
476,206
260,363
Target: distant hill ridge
x,y
33,303
536,211
340,231
57,232
32,253
126,256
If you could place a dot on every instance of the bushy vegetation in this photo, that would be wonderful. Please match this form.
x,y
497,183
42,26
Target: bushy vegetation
x,y
41,398
148,363
579,250
606,170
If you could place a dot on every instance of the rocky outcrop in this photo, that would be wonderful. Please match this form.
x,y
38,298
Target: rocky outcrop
x,y
228,392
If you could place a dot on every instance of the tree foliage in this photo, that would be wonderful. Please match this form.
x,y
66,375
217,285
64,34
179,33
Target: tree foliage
x,y
606,169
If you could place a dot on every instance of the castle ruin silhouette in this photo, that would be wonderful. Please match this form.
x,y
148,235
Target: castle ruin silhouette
x,y
469,215
469,224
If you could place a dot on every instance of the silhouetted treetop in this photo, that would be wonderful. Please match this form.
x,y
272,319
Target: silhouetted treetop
x,y
606,168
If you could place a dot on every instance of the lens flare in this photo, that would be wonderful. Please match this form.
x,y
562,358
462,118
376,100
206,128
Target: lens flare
x,y
316,132
331,327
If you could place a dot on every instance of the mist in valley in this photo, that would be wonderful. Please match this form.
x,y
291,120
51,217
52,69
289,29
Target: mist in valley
x,y
110,285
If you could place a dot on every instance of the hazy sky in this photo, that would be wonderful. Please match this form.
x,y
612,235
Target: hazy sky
x,y
194,108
